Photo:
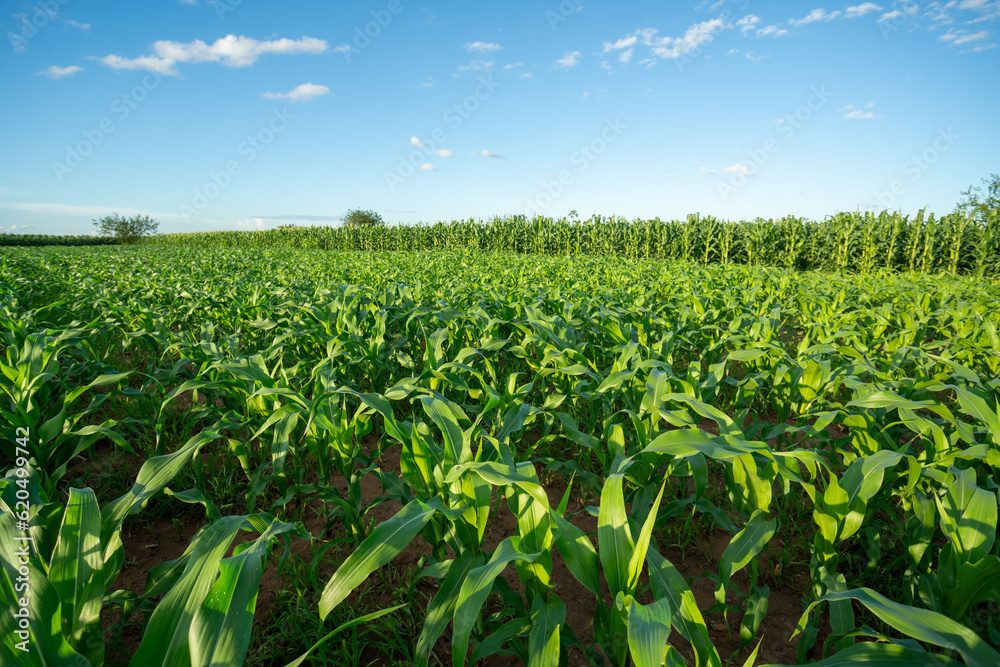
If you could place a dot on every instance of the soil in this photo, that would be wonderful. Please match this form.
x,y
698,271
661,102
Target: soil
x,y
149,542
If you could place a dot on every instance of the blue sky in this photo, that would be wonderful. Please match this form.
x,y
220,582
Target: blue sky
x,y
250,114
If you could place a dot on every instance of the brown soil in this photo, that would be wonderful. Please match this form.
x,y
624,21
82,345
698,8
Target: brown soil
x,y
148,543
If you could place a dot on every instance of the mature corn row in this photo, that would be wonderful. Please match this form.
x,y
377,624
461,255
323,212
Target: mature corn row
x,y
852,242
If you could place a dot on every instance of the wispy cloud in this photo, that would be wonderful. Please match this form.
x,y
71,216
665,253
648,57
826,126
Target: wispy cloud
x,y
670,47
481,47
301,93
426,166
741,169
771,31
477,66
814,16
57,72
857,11
486,153
570,59
231,51
77,24
865,113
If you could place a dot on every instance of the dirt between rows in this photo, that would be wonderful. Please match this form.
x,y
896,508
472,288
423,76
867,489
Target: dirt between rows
x,y
150,542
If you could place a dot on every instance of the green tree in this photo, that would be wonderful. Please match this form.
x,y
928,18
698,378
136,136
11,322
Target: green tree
x,y
978,201
126,230
360,218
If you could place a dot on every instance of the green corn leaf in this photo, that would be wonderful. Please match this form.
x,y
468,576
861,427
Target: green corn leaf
x,y
367,618
385,543
881,655
543,640
442,607
920,624
614,537
220,630
77,574
578,553
642,542
744,546
474,591
648,631
667,583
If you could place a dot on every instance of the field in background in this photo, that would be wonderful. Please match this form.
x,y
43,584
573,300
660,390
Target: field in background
x,y
860,243
570,458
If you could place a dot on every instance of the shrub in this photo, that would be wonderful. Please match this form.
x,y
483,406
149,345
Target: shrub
x,y
361,218
126,230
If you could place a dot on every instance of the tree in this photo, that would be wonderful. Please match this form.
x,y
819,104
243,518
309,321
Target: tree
x,y
359,218
977,202
126,230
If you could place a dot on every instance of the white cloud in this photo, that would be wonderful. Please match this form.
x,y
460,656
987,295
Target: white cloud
x,y
151,63
481,47
477,66
429,83
426,166
486,153
891,16
342,48
741,169
57,72
444,152
856,11
12,228
416,143
623,43
231,51
625,55
571,59
527,75
814,16
251,223
771,31
671,47
84,210
852,113
301,93
961,37
77,24
705,171
748,23
509,66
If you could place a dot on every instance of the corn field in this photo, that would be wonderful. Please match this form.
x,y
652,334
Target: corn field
x,y
859,243
545,416
24,240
